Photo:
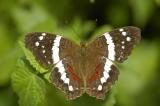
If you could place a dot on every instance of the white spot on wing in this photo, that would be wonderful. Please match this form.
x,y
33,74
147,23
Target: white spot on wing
x,y
70,88
66,81
43,34
124,33
103,80
119,58
37,43
100,87
43,51
128,39
123,47
122,42
49,62
111,46
121,30
41,38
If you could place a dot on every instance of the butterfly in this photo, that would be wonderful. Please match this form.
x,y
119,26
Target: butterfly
x,y
85,68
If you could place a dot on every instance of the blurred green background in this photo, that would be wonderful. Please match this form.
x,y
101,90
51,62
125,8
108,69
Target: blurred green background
x,y
139,79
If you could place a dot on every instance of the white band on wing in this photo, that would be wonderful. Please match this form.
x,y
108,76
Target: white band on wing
x,y
55,49
111,47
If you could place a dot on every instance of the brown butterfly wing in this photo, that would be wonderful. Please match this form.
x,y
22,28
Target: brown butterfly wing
x,y
124,40
101,73
40,44
58,54
66,74
112,46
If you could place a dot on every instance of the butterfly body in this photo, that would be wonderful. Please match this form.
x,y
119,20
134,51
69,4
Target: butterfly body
x,y
87,68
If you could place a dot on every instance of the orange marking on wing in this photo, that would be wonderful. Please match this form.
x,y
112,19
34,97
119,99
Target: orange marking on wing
x,y
74,76
96,74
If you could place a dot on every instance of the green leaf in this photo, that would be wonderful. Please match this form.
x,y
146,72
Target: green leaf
x,y
117,14
29,87
111,100
7,52
72,30
157,2
101,30
137,72
142,11
25,18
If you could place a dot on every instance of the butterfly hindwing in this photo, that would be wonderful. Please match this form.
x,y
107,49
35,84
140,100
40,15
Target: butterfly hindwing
x,y
101,81
65,74
65,77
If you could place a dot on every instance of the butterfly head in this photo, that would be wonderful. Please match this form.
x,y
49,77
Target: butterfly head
x,y
83,44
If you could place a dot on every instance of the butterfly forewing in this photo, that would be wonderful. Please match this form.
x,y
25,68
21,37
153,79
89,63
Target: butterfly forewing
x,y
40,44
121,41
98,47
66,77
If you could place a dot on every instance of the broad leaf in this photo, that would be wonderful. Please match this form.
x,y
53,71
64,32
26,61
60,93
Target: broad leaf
x,y
29,87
